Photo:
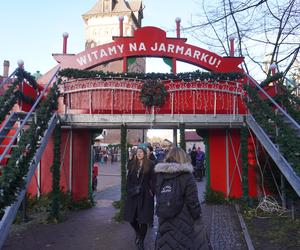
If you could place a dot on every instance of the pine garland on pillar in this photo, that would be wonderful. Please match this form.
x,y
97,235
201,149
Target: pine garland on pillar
x,y
244,151
55,215
182,136
123,169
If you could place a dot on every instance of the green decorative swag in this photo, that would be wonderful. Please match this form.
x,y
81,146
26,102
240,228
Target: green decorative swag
x,y
153,93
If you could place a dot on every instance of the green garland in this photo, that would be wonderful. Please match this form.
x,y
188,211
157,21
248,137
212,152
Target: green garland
x,y
26,75
182,136
290,102
12,181
7,101
273,78
287,139
55,215
123,171
153,93
188,76
244,156
9,98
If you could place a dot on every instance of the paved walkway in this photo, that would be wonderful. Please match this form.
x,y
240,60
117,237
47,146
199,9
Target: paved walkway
x,y
95,229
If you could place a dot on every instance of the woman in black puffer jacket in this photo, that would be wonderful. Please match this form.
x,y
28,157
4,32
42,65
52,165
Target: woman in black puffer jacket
x,y
184,230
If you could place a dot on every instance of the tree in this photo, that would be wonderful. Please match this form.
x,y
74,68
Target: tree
x,y
267,32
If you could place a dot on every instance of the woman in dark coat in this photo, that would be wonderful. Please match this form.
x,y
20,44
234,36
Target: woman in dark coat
x,y
181,231
139,205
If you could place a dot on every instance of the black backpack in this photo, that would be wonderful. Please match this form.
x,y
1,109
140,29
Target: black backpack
x,y
169,197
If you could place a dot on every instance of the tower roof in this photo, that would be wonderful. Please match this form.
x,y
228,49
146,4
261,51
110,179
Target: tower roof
x,y
135,5
120,6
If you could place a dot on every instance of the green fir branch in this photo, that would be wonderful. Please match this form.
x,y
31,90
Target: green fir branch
x,y
287,140
123,170
188,76
12,180
182,136
55,214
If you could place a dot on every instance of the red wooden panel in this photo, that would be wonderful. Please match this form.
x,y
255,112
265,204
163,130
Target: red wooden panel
x,y
217,152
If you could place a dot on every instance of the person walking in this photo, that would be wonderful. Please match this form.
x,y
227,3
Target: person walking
x,y
200,157
150,154
181,227
140,187
193,155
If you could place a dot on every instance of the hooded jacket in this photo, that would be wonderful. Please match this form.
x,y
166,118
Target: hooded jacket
x,y
178,232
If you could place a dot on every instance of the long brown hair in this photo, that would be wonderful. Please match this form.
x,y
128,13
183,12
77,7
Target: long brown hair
x,y
135,164
178,155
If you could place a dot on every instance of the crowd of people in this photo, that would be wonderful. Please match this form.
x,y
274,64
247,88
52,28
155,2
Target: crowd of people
x,y
104,155
167,178
198,162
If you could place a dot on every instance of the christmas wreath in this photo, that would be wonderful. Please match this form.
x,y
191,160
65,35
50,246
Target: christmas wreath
x,y
153,93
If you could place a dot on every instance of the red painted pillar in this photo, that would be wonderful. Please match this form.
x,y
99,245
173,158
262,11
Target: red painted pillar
x,y
80,163
65,42
273,68
252,164
174,68
124,64
231,46
121,19
178,20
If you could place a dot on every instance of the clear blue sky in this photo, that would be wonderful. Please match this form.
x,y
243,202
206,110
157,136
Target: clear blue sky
x,y
32,30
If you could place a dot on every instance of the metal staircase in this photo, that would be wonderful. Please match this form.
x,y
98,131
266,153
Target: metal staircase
x,y
9,124
272,149
19,121
275,154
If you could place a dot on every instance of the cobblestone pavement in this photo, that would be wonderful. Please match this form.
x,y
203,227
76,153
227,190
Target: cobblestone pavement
x,y
95,229
225,231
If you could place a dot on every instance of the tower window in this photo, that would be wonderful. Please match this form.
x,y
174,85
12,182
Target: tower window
x,y
106,6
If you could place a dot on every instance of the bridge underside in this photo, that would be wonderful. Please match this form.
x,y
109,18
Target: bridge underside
x,y
155,121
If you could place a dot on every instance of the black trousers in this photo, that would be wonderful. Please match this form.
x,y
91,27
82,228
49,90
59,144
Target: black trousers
x,y
140,229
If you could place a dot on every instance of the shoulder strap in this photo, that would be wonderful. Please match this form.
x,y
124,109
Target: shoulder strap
x,y
182,182
159,181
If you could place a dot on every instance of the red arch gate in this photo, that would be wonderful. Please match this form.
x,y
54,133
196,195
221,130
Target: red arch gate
x,y
109,101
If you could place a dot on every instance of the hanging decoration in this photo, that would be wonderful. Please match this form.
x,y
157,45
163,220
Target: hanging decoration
x,y
153,93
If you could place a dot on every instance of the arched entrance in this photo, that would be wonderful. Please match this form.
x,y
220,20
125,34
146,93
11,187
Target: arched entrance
x,y
198,100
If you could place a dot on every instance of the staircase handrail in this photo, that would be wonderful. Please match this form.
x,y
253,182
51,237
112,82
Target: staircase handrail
x,y
8,78
276,155
11,211
274,102
28,116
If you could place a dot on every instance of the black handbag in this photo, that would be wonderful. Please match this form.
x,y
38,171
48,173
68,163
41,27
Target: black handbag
x,y
134,191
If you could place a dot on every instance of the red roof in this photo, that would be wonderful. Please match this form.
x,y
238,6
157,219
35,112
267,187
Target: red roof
x,y
192,136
